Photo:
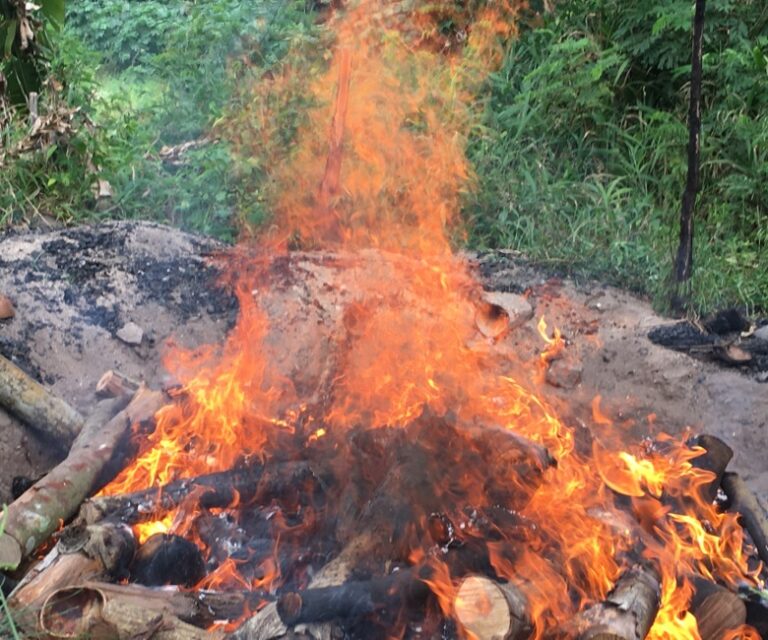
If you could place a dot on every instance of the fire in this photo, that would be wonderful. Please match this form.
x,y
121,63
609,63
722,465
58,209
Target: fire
x,y
382,189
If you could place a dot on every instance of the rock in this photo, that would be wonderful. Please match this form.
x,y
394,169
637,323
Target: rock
x,y
6,308
130,333
503,311
564,374
761,333
601,302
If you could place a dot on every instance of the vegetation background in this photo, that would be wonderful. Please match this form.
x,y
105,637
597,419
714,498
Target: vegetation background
x,y
578,140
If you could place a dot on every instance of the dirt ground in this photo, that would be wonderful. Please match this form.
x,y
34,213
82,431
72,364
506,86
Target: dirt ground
x,y
75,290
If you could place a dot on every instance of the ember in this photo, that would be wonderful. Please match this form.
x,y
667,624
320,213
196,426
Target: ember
x,y
416,483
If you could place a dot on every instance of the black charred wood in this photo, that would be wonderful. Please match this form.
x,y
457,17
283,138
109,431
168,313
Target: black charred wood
x,y
402,589
166,559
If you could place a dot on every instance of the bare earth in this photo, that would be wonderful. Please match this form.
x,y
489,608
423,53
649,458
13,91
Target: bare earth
x,y
75,289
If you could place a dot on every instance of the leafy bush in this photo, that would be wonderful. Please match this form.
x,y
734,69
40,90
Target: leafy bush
x,y
582,160
145,75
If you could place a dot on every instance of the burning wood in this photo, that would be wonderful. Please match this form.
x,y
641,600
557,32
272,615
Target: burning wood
x,y
629,610
416,480
486,608
717,610
216,490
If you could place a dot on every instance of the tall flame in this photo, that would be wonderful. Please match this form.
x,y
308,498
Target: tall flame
x,y
378,169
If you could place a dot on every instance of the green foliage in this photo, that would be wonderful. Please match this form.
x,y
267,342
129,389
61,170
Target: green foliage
x,y
147,75
26,30
582,160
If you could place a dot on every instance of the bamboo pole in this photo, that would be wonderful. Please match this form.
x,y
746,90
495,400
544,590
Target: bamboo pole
x,y
36,406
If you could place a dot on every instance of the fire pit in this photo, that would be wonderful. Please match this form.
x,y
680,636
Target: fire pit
x,y
378,454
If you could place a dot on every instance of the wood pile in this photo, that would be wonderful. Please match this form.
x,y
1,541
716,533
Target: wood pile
x,y
356,506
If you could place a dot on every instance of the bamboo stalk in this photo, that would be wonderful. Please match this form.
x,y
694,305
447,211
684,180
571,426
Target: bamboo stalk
x,y
55,498
36,406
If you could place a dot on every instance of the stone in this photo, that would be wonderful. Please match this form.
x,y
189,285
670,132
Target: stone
x,y
564,374
761,333
6,308
131,333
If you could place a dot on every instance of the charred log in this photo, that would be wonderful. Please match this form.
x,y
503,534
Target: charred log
x,y
168,559
249,484
715,459
357,599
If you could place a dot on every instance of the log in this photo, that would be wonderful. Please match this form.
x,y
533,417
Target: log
x,y
31,519
629,610
716,459
98,612
214,490
717,610
753,517
490,610
199,608
114,384
82,553
36,406
354,599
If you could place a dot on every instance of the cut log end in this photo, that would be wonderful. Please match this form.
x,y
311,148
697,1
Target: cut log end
x,y
488,610
114,384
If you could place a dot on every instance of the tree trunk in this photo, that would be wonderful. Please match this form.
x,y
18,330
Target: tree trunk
x,y
684,260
